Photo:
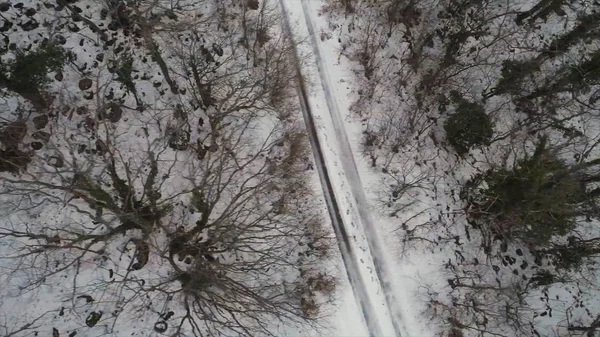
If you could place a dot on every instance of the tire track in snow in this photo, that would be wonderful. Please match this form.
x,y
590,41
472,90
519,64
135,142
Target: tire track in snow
x,y
351,171
346,250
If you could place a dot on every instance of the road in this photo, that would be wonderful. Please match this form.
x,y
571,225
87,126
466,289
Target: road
x,y
378,304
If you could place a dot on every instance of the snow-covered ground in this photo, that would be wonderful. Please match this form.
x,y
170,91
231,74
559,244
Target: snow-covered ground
x,y
420,281
393,289
199,153
392,280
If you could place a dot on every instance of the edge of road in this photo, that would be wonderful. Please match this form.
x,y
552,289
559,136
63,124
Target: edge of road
x,y
351,170
351,265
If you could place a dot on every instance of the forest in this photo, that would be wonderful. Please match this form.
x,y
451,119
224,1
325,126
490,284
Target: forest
x,y
157,175
153,172
481,119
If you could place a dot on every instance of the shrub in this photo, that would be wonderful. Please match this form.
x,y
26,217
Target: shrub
x,y
124,69
468,127
28,71
13,160
533,201
513,74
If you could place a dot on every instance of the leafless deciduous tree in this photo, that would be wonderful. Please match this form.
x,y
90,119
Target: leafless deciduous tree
x,y
169,191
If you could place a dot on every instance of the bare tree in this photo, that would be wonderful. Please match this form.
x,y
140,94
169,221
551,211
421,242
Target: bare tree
x,y
169,187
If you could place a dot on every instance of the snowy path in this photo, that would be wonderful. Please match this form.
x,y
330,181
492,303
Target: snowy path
x,y
359,244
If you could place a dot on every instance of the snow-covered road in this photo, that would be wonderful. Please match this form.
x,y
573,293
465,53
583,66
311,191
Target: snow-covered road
x,y
363,256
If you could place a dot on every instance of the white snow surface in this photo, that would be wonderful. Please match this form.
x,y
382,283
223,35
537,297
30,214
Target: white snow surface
x,y
356,186
60,288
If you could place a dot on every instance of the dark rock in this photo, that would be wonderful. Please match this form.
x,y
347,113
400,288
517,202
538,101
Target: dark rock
x,y
168,315
4,6
101,147
217,49
511,260
60,39
85,83
56,161
519,252
89,124
30,12
37,146
41,135
30,25
93,318
59,76
6,26
252,4
73,27
88,95
19,5
160,327
110,95
83,67
113,113
82,110
40,121
100,57
157,84
114,26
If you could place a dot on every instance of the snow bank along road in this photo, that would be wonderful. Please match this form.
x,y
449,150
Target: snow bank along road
x,y
358,242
